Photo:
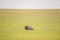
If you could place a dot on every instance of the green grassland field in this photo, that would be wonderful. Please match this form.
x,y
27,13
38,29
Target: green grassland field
x,y
46,24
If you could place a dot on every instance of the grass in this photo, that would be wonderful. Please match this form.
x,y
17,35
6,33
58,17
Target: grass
x,y
46,24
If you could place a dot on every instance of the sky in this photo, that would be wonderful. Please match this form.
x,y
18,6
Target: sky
x,y
29,4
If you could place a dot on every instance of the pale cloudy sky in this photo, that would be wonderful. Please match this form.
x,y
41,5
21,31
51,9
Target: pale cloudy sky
x,y
30,4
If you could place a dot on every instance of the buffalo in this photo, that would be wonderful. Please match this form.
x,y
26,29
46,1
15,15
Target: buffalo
x,y
28,28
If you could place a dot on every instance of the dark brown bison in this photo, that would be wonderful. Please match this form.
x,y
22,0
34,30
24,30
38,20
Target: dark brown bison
x,y
28,28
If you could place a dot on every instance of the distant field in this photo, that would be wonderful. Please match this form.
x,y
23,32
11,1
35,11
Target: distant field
x,y
46,24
